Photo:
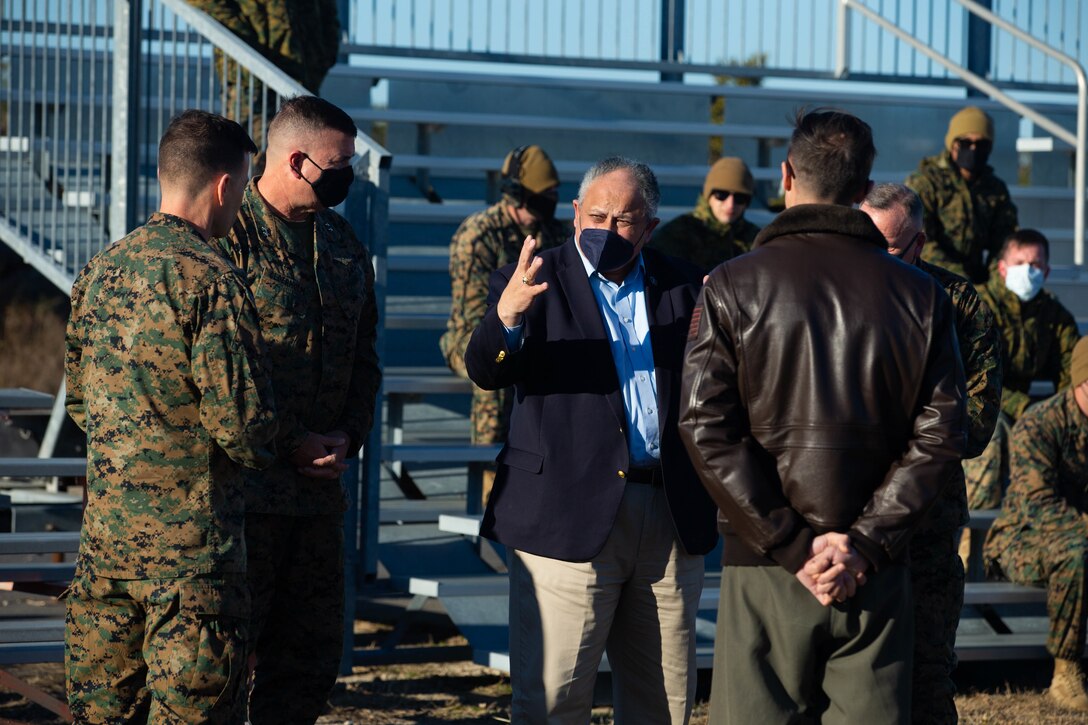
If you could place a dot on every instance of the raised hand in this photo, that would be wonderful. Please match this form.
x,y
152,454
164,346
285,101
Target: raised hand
x,y
521,290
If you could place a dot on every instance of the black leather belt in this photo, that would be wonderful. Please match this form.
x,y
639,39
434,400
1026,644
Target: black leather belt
x,y
648,476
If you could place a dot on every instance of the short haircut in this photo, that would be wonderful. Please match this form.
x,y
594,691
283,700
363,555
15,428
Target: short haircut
x,y
199,146
643,175
1024,238
310,114
890,196
831,154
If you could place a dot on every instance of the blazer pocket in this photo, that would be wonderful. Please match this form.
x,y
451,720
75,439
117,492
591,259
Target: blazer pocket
x,y
518,458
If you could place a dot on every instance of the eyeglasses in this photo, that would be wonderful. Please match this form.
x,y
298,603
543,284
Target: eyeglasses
x,y
981,144
738,198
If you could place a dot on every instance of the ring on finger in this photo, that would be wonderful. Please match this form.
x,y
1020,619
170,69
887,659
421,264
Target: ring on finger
x,y
525,279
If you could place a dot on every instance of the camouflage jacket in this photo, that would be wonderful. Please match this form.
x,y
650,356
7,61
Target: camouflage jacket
x,y
483,243
962,220
163,373
1048,466
702,240
1037,342
302,37
980,349
315,297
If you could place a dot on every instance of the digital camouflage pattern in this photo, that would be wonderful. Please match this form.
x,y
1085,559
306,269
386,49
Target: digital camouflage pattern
x,y
937,575
156,650
937,580
314,288
962,220
300,660
483,243
301,37
1040,538
1037,344
702,240
980,348
163,373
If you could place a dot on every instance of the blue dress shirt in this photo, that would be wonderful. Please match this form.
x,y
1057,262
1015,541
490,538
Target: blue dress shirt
x,y
623,310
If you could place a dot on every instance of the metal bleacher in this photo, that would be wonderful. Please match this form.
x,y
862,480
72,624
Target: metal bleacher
x,y
445,130
448,128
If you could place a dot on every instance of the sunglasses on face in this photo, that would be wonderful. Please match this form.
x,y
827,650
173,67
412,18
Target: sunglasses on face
x,y
738,198
979,145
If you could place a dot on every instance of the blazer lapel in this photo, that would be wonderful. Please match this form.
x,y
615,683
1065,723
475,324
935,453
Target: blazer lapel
x,y
574,286
662,317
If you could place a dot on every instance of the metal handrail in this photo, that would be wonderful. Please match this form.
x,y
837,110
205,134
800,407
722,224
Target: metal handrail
x,y
1077,140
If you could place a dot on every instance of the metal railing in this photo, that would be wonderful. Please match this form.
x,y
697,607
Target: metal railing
x,y
55,100
782,37
1077,140
87,88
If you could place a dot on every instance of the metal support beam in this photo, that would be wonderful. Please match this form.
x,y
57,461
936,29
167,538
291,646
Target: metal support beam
x,y
979,40
672,37
125,109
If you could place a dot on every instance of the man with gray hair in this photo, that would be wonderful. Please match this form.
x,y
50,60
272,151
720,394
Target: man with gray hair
x,y
594,495
935,566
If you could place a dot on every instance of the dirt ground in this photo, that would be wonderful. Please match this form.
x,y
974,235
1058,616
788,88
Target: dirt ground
x,y
461,692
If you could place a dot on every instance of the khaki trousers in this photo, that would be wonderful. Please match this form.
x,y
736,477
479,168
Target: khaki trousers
x,y
636,600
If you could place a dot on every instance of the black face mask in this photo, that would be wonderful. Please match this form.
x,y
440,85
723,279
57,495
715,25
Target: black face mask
x,y
332,185
972,159
541,206
906,250
606,250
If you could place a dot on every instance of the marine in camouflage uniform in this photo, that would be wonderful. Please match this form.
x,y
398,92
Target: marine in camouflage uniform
x,y
937,575
1037,341
313,283
706,237
1040,538
484,242
963,217
703,240
163,374
300,37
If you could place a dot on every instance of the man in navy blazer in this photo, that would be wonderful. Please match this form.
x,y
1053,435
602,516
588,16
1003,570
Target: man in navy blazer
x,y
604,517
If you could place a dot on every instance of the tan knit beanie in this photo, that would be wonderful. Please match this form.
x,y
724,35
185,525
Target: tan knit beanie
x,y
536,172
729,174
969,120
1079,368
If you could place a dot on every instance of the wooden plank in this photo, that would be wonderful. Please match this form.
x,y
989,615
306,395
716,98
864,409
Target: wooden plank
x,y
423,380
31,652
20,631
37,572
704,659
572,125
46,542
47,467
466,524
976,647
25,400
982,519
440,453
1001,593
419,512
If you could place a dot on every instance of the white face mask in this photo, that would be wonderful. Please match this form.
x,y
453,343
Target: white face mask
x,y
1024,281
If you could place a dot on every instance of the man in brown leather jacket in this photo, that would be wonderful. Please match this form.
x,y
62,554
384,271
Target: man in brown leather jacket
x,y
824,416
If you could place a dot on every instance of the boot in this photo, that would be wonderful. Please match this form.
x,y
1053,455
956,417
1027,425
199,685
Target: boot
x,y
1067,687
